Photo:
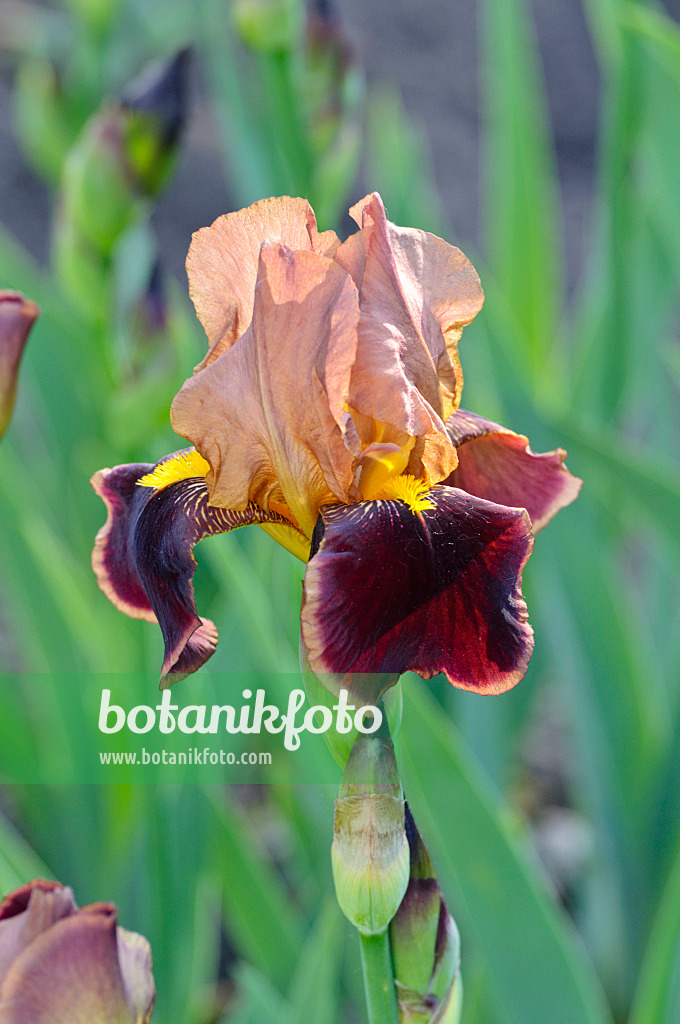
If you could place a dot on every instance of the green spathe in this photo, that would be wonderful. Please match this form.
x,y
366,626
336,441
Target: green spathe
x,y
425,945
370,853
340,740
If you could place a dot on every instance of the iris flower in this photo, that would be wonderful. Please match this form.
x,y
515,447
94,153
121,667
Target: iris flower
x,y
60,964
326,411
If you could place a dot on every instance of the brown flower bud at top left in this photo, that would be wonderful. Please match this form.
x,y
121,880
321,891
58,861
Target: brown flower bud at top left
x,y
17,316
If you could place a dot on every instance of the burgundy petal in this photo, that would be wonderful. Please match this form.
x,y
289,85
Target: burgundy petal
x,y
496,464
389,590
114,567
143,557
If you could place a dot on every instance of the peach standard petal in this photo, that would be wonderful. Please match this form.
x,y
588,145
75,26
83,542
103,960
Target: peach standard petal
x,y
222,262
269,413
416,294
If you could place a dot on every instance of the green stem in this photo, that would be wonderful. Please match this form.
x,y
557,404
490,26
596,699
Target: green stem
x,y
381,997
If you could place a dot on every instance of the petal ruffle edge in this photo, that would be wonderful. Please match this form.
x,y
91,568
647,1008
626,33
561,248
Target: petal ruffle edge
x,y
223,259
143,557
498,465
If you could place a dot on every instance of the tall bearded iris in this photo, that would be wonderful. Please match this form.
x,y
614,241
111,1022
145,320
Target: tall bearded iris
x,y
327,412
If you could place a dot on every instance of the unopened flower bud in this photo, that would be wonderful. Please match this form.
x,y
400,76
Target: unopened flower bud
x,y
370,852
154,107
17,316
331,60
425,945
60,964
123,155
96,14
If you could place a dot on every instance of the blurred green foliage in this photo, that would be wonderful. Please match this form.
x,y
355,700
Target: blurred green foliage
x,y
233,885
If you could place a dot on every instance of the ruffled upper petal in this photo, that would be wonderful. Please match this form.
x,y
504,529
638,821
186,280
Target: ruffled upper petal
x,y
389,590
269,413
144,562
17,316
416,293
223,260
496,464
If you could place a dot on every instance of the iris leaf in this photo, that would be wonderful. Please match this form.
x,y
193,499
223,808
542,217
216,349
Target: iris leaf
x,y
657,999
521,204
400,165
18,862
265,927
313,992
491,885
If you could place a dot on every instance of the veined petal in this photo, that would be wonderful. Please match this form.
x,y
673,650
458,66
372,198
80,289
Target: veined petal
x,y
269,413
416,294
496,464
144,562
223,259
17,316
71,974
433,591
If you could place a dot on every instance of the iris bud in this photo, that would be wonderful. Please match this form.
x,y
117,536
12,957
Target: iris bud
x,y
17,316
121,159
425,945
370,853
60,963
154,111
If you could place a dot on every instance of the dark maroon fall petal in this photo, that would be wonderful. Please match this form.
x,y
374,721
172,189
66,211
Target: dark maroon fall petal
x,y
496,464
112,559
389,590
144,562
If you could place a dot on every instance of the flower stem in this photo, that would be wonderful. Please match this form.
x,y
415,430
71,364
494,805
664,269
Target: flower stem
x,y
381,997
